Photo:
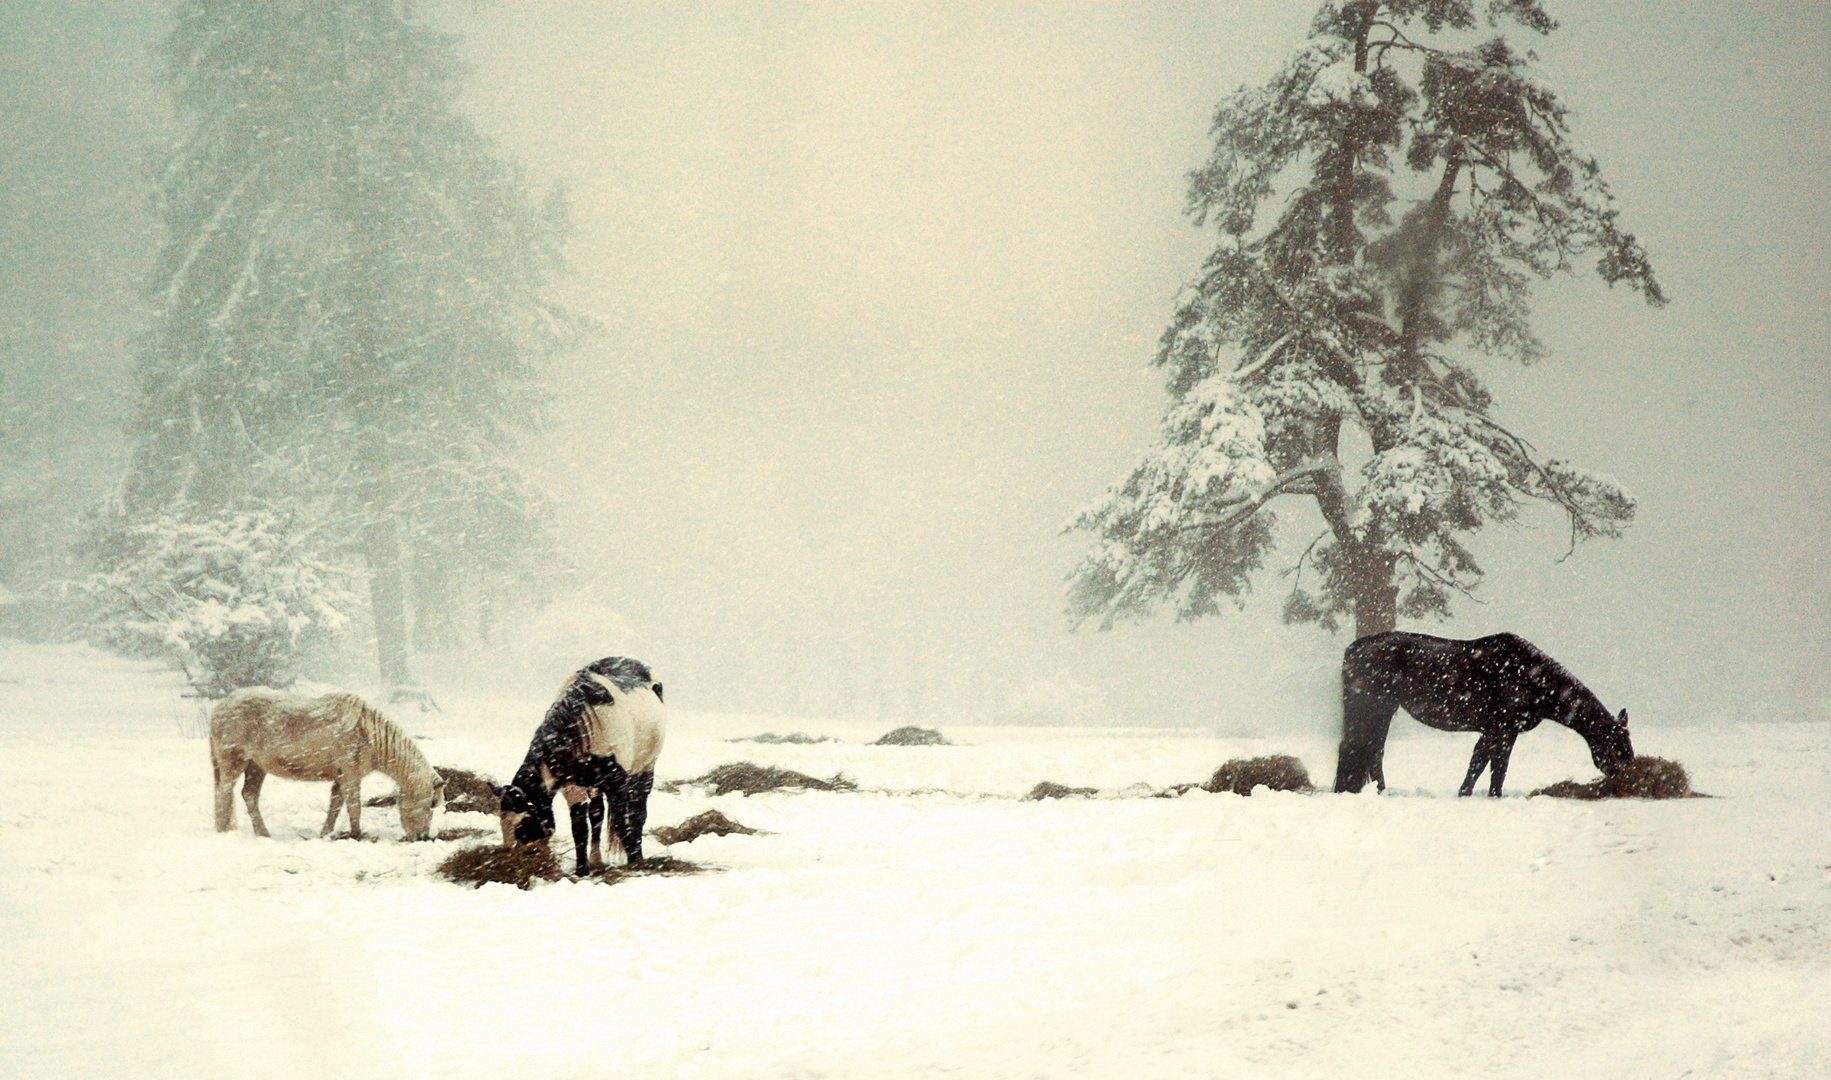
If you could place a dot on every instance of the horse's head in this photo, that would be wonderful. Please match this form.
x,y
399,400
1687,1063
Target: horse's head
x,y
520,824
1609,745
417,802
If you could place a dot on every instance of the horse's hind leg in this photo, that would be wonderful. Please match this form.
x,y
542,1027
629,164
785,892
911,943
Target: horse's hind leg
x,y
226,768
1484,752
629,812
252,777
595,807
330,818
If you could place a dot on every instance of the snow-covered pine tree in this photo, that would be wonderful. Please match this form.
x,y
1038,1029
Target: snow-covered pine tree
x,y
351,300
234,601
1329,316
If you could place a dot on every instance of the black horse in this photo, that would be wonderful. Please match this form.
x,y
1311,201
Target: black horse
x,y
598,740
1500,686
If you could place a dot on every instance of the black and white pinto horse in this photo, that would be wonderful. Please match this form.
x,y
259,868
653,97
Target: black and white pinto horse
x,y
1500,686
597,743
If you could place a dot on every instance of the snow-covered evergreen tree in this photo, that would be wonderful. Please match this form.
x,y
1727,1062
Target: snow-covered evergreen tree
x,y
351,299
1384,203
235,601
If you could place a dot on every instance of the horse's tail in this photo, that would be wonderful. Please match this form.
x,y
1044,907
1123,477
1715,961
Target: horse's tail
x,y
1365,719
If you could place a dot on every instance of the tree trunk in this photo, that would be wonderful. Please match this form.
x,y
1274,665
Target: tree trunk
x,y
1376,598
381,546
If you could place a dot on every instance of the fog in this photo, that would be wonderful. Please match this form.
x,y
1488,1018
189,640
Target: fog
x,y
880,291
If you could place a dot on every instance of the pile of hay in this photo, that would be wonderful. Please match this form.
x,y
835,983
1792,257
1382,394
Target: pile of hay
x,y
517,866
1280,772
756,779
697,826
797,739
912,736
1644,778
465,792
1049,790
661,867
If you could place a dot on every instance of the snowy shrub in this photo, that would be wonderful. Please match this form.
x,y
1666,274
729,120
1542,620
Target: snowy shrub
x,y
234,601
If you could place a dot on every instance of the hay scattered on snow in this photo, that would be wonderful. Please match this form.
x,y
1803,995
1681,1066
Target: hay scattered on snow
x,y
664,866
754,779
517,866
1049,790
1280,772
1643,778
697,826
467,792
797,739
912,736
463,834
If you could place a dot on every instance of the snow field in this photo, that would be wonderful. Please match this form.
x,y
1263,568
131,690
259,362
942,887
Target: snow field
x,y
930,924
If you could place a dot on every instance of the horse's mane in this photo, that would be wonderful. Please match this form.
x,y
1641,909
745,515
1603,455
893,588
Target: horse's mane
x,y
389,749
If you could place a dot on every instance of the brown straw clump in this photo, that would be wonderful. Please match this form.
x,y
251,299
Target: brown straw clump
x,y
663,866
518,866
467,792
1642,778
1280,772
799,738
1049,790
697,826
756,779
912,736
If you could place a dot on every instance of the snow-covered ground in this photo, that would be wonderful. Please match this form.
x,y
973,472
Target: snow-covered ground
x,y
931,923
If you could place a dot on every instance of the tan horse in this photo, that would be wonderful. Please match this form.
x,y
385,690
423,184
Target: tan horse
x,y
337,737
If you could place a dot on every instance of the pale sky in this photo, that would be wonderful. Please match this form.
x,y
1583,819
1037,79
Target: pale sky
x,y
882,287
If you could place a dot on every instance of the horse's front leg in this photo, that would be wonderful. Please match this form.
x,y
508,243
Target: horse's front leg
x,y
330,819
352,801
1484,751
576,798
1503,750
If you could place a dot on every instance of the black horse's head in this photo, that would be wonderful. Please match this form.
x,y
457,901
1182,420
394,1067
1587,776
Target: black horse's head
x,y
1609,745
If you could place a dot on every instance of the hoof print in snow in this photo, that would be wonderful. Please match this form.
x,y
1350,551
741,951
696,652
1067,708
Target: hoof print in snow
x,y
756,779
1048,790
1280,772
912,736
518,866
1643,778
697,826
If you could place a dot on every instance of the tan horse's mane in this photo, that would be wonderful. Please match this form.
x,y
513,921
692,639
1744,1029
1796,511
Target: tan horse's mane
x,y
388,749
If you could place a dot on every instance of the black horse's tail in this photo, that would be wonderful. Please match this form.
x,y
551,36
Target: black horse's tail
x,y
1365,718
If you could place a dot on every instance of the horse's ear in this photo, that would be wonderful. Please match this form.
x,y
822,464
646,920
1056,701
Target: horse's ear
x,y
1623,718
657,688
